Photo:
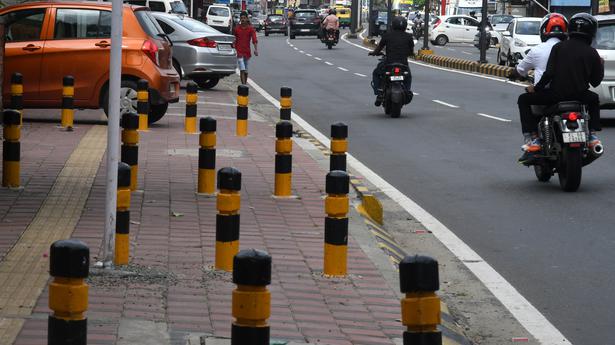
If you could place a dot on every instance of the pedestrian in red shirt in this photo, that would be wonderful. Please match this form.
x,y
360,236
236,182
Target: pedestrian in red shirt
x,y
244,33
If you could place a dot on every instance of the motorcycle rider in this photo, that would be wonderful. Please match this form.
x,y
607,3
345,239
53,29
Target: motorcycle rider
x,y
399,46
331,22
553,29
572,67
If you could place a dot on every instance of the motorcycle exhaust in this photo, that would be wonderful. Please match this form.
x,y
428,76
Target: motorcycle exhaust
x,y
597,150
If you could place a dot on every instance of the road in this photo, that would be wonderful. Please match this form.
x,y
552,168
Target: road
x,y
454,152
463,51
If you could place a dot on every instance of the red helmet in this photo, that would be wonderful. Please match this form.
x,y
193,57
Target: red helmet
x,y
553,25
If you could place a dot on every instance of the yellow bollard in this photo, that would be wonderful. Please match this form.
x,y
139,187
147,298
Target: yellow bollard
x,y
283,159
191,110
242,111
11,148
130,146
336,224
251,300
207,156
227,219
420,309
69,264
17,95
68,102
285,103
339,146
122,222
143,104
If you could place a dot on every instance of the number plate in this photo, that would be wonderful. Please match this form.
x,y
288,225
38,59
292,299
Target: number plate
x,y
225,47
305,30
575,137
397,77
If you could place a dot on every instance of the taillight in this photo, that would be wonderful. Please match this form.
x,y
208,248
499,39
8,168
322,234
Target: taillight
x,y
151,50
438,21
396,71
573,116
203,42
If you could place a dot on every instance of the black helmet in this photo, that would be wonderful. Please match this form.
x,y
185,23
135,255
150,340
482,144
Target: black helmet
x,y
583,25
553,25
399,23
332,11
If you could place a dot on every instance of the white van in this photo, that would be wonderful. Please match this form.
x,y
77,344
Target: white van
x,y
220,18
166,6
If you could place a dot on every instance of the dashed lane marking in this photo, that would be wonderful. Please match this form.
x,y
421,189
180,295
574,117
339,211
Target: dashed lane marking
x,y
295,48
360,75
328,63
302,52
466,53
308,54
444,103
493,117
343,69
317,58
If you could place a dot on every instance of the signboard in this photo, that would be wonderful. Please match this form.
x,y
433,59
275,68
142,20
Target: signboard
x,y
603,6
575,3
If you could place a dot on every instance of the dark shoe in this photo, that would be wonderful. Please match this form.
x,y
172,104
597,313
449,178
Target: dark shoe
x,y
378,101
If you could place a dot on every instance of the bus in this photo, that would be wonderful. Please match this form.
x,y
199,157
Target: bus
x,y
467,6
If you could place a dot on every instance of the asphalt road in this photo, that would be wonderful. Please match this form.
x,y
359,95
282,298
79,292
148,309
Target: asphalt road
x,y
463,51
557,249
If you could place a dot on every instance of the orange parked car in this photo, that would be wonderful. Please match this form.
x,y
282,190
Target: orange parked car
x,y
46,41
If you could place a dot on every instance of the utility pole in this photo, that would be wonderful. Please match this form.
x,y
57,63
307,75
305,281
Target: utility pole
x,y
389,14
482,41
354,18
425,48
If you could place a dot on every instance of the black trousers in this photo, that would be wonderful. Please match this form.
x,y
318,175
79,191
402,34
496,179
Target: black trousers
x,y
529,122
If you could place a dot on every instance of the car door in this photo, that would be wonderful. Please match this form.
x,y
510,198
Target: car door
x,y
470,28
84,35
454,29
507,39
23,51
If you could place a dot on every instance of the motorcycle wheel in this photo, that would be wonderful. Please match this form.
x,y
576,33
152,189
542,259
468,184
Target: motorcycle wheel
x,y
387,108
329,45
570,170
543,172
395,110
499,58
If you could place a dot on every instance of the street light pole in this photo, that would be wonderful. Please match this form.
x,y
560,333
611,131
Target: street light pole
x,y
482,43
389,14
426,27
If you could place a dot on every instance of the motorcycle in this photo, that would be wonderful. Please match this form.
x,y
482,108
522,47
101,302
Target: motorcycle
x,y
564,131
417,29
394,93
329,38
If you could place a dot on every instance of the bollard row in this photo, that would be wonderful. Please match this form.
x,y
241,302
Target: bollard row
x,y
11,148
228,203
207,156
191,107
242,110
122,222
283,159
17,94
130,146
339,146
143,104
336,223
285,103
68,102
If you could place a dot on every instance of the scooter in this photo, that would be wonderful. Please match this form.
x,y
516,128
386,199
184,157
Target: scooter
x,y
394,92
329,38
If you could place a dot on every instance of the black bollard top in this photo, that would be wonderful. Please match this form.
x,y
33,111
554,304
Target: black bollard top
x,y
123,175
284,129
252,267
207,124
11,117
286,91
68,80
243,90
339,131
130,121
229,178
142,85
17,78
69,259
418,274
337,182
192,87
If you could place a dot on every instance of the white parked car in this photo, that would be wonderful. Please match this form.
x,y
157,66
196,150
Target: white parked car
x,y
520,36
453,29
499,23
605,44
220,18
164,6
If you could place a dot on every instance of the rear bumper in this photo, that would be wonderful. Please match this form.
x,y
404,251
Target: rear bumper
x,y
275,28
299,31
196,61
606,92
165,89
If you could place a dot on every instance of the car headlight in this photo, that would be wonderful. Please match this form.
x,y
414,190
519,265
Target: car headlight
x,y
519,43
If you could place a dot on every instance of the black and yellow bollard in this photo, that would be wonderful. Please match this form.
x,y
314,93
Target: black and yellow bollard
x,y
336,223
420,309
122,218
283,159
207,156
11,148
130,146
68,102
227,220
17,94
191,101
285,103
242,110
251,299
143,104
69,263
339,146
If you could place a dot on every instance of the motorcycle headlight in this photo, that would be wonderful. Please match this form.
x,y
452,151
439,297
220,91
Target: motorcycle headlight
x,y
519,43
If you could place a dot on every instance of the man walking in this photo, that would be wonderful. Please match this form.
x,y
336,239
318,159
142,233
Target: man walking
x,y
244,33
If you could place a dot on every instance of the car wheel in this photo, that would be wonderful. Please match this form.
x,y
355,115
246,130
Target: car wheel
x,y
292,37
266,33
509,61
128,102
499,58
285,33
441,40
156,112
207,83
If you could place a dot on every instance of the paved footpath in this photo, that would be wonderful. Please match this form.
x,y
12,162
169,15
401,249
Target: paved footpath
x,y
170,294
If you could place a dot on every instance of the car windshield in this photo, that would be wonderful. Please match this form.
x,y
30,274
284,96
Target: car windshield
x,y
501,19
605,37
305,14
178,7
527,28
275,18
218,11
193,25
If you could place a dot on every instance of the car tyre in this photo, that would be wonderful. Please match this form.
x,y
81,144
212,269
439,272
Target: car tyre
x,y
292,37
499,58
266,33
285,33
207,83
441,40
156,112
509,61
128,88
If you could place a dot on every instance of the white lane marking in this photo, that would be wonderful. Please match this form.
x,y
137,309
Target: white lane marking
x,y
295,48
415,93
308,54
520,307
360,75
302,52
444,103
451,49
317,58
493,117
466,53
343,69
531,319
328,63
505,81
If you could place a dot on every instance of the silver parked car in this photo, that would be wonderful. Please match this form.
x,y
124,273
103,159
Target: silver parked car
x,y
605,44
200,52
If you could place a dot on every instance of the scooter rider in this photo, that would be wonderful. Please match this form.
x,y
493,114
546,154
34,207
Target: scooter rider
x,y
553,29
399,46
331,22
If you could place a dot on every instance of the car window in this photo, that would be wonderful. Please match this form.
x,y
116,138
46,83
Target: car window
x,y
80,23
219,11
306,14
605,37
178,7
470,22
527,28
138,2
275,18
454,21
24,25
157,6
193,25
148,24
168,29
501,19
510,27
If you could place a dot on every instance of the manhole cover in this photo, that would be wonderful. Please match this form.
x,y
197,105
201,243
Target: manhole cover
x,y
195,153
